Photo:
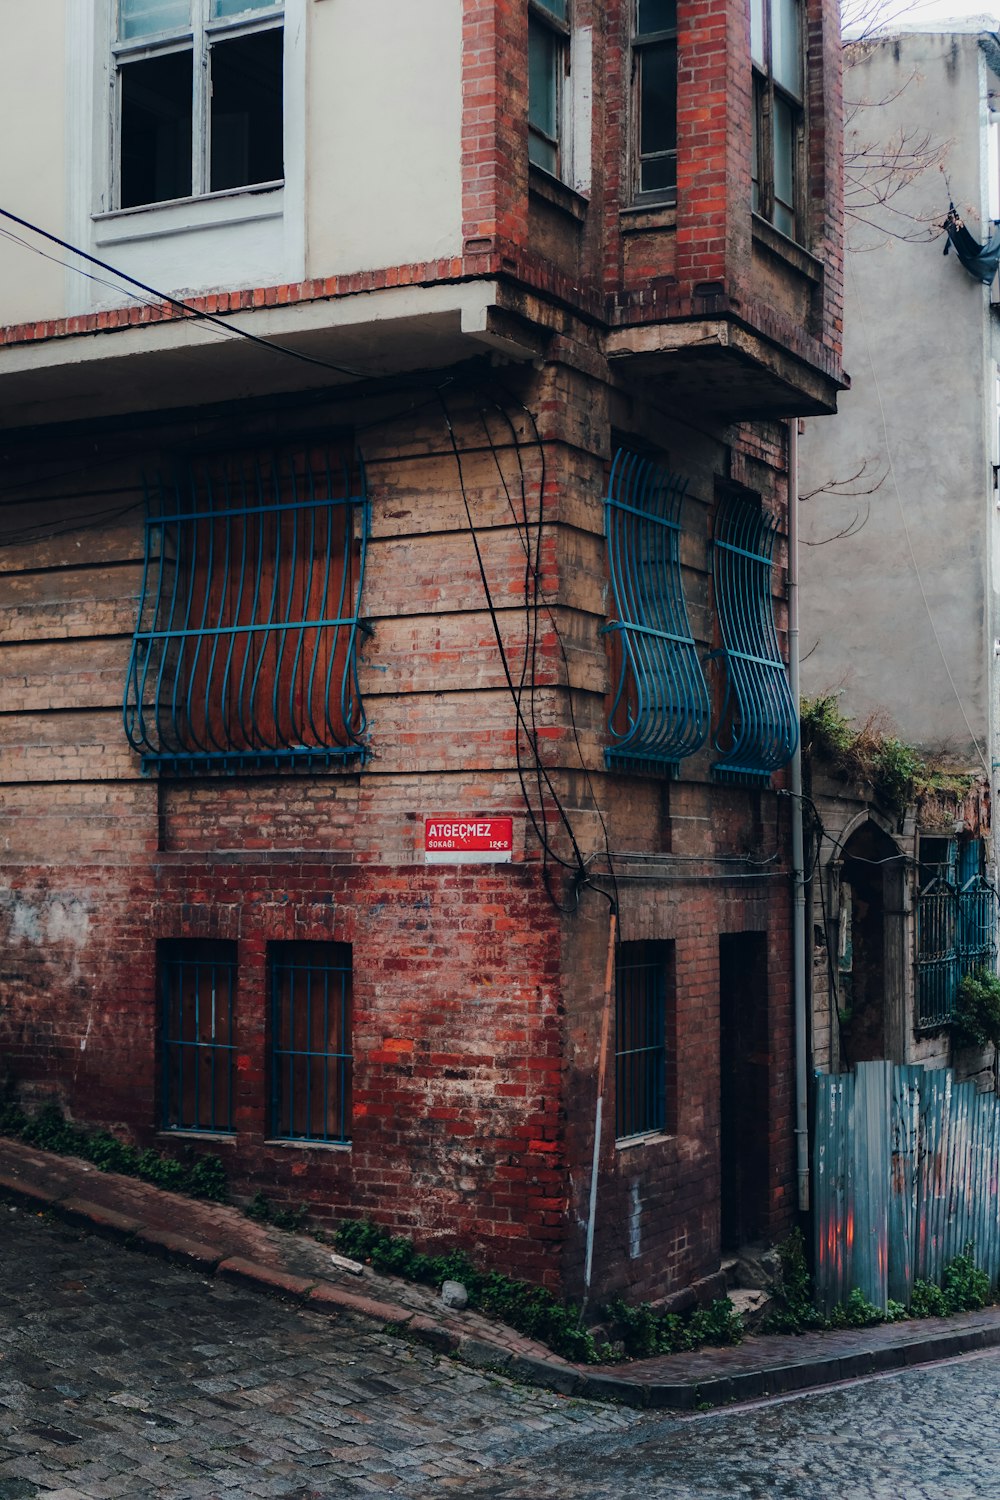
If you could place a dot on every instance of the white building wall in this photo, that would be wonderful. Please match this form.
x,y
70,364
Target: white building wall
x,y
373,170
897,614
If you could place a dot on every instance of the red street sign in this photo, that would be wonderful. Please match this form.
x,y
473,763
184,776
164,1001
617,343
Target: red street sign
x,y
453,840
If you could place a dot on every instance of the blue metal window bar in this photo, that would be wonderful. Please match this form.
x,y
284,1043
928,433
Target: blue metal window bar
x,y
197,987
956,930
758,728
640,1039
245,650
311,1059
660,706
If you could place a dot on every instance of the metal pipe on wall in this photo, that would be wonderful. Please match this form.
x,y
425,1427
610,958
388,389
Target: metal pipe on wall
x,y
798,842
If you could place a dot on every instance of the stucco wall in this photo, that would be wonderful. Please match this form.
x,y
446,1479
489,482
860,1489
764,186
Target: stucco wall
x,y
32,128
373,158
898,610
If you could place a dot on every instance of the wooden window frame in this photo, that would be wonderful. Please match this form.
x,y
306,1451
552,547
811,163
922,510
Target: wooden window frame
x,y
641,42
767,97
542,17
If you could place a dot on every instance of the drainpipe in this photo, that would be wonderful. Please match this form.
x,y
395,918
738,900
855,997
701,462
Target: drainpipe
x,y
798,843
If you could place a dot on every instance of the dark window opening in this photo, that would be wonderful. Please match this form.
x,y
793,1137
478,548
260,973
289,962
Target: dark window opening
x,y
311,1060
643,984
247,142
156,129
197,993
548,56
654,51
199,98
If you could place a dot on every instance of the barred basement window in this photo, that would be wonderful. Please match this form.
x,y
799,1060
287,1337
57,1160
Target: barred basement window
x,y
197,990
660,708
641,984
757,729
245,652
956,924
311,1061
654,73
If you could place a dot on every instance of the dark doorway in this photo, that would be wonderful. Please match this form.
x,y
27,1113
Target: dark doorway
x,y
861,947
745,1058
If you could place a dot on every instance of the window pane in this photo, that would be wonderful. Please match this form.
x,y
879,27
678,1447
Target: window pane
x,y
545,50
156,129
559,8
247,143
138,18
656,15
757,32
786,45
784,167
755,154
543,79
658,99
222,8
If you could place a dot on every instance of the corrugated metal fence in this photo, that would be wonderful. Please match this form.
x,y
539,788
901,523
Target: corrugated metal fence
x,y
905,1174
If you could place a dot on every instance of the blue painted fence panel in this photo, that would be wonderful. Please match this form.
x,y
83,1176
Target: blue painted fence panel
x,y
905,1174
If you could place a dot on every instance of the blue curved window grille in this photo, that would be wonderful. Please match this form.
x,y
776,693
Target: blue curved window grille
x,y
245,648
660,705
757,729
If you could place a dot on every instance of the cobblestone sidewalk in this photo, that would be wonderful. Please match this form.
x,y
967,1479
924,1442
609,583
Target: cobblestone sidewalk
x,y
222,1242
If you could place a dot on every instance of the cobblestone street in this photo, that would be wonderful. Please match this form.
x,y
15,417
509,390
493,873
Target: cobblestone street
x,y
121,1376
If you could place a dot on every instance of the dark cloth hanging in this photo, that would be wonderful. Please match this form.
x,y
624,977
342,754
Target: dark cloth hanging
x,y
980,261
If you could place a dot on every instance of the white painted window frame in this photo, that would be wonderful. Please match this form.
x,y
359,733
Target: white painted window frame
x,y
271,220
197,39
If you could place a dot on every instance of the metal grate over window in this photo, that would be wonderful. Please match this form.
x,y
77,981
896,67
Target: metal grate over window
x,y
245,648
956,925
640,1039
660,707
757,729
311,1059
197,989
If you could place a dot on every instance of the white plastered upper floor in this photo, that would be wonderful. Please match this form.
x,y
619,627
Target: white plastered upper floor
x,y
372,151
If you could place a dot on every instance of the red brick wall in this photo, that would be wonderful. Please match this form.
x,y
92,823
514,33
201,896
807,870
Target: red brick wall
x,y
477,1004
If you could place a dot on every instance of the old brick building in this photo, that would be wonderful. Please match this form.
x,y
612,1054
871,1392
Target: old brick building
x,y
468,505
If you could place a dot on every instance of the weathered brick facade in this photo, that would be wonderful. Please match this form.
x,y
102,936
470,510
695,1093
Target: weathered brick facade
x,y
477,990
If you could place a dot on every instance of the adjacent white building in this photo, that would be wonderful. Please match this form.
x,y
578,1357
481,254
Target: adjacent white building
x,y
900,520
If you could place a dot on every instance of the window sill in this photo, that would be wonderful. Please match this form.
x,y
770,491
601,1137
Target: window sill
x,y
542,184
344,1147
182,215
639,217
196,1135
652,1138
792,254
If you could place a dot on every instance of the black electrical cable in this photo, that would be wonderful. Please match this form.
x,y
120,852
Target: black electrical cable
x,y
188,308
540,445
538,820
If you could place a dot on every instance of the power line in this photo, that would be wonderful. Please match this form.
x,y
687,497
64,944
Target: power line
x,y
188,308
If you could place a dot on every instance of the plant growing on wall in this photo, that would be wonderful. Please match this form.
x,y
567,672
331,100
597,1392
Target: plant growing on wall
x,y
977,1014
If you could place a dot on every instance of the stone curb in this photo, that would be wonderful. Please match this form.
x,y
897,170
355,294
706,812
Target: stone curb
x,y
565,1379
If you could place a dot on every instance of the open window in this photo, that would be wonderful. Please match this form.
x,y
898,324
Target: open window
x,y
199,98
777,47
548,67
